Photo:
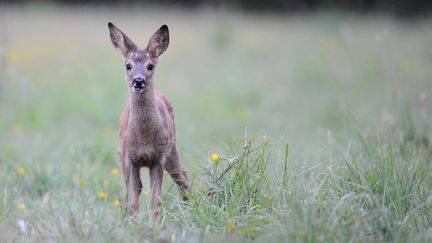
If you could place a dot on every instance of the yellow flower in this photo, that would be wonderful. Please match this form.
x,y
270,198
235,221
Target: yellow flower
x,y
266,140
229,225
21,206
214,157
20,171
81,182
102,195
115,171
145,193
116,203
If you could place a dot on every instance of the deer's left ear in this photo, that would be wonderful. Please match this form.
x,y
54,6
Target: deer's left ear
x,y
159,41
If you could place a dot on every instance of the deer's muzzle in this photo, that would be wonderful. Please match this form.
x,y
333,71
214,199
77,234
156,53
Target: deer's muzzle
x,y
138,84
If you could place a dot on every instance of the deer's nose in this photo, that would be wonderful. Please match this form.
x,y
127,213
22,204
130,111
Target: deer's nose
x,y
138,82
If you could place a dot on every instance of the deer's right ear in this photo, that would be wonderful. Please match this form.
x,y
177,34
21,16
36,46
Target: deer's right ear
x,y
120,41
159,41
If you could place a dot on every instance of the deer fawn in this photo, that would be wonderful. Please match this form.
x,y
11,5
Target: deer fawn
x,y
146,126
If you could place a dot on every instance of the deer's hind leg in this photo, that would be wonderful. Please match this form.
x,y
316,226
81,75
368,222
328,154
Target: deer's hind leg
x,y
174,167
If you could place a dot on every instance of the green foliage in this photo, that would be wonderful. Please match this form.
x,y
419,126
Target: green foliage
x,y
234,194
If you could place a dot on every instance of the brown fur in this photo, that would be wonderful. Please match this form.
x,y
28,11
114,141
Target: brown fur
x,y
146,126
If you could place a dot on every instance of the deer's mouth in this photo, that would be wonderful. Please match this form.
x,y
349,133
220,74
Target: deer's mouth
x,y
137,90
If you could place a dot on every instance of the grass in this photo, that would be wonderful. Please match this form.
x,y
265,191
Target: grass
x,y
292,128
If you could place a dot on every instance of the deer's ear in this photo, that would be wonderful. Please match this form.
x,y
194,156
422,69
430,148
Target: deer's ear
x,y
120,41
159,41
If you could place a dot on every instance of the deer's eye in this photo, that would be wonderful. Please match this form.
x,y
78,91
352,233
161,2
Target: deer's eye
x,y
128,67
150,67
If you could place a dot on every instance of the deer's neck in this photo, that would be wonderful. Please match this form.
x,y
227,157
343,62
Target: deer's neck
x,y
143,109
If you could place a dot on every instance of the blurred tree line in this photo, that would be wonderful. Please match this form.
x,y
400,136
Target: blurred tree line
x,y
398,7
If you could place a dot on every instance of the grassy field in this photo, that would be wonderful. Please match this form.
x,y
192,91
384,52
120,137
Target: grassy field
x,y
321,122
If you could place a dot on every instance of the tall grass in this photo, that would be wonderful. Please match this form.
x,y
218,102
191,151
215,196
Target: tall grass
x,y
377,188
379,191
233,193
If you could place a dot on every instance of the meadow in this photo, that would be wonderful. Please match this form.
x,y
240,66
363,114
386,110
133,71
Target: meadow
x,y
297,128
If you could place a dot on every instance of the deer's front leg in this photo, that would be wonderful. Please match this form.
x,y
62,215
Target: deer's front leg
x,y
156,176
134,186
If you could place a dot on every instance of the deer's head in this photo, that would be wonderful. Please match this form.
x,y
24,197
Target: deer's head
x,y
140,64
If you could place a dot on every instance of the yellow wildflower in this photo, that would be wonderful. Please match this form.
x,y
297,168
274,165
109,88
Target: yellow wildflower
x,y
229,225
20,171
145,193
21,206
115,171
266,140
116,203
102,195
81,182
214,157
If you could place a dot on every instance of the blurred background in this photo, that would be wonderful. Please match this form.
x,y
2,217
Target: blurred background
x,y
295,71
312,74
